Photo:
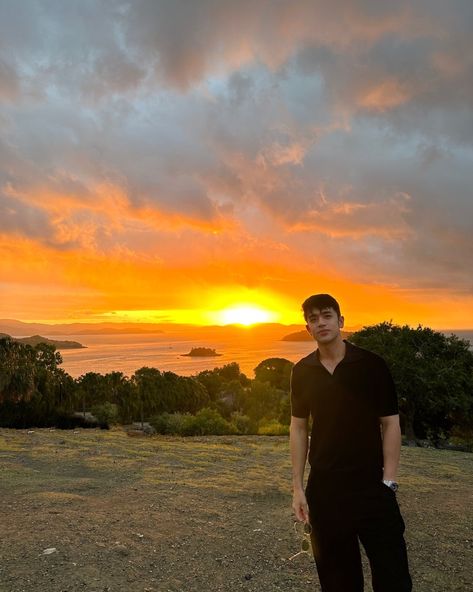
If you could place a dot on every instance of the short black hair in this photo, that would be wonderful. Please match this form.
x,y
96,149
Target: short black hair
x,y
320,301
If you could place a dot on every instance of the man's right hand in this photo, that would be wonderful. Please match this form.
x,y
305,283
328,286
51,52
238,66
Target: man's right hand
x,y
300,506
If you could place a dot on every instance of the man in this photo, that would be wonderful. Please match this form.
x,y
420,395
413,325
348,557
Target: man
x,y
354,455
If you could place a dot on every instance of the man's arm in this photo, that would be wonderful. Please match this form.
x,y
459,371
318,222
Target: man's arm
x,y
391,445
299,441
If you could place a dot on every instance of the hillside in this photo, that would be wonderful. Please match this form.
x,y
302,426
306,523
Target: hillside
x,y
35,339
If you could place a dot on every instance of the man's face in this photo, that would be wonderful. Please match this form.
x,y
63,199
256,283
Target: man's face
x,y
324,325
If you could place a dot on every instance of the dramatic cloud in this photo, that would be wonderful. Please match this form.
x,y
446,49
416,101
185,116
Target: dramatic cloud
x,y
203,141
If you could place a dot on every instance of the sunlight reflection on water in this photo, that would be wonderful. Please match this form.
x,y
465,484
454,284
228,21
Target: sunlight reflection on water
x,y
127,353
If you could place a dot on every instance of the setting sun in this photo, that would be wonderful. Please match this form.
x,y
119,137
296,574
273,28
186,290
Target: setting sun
x,y
245,315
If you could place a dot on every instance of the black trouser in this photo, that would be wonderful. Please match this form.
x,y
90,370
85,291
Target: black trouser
x,y
343,514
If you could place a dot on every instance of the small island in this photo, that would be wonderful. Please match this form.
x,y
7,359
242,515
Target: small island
x,y
202,352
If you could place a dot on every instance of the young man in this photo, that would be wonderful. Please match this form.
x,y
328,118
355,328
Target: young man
x,y
354,455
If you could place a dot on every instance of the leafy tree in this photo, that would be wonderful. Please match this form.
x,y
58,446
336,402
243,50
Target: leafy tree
x,y
433,374
147,389
216,380
276,371
91,390
231,398
182,393
17,371
115,386
64,390
167,392
262,401
33,389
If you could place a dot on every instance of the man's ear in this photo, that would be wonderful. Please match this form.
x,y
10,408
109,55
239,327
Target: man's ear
x,y
308,330
341,322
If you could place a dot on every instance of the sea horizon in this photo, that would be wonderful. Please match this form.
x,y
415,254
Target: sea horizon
x,y
166,351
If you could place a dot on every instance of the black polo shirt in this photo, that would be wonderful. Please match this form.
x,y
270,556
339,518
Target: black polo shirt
x,y
345,407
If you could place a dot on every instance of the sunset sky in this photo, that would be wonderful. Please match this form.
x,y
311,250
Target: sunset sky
x,y
171,160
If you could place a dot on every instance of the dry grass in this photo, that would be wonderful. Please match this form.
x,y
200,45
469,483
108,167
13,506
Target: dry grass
x,y
171,514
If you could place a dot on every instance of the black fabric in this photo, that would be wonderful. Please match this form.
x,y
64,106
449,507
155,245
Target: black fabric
x,y
345,407
340,518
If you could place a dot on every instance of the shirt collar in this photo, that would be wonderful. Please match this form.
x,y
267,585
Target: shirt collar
x,y
352,354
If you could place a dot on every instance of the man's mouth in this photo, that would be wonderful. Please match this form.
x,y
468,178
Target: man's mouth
x,y
323,332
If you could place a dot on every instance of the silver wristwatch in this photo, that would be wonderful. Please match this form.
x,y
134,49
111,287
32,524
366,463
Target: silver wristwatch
x,y
391,484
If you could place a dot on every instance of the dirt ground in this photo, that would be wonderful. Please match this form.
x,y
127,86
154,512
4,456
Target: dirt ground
x,y
102,511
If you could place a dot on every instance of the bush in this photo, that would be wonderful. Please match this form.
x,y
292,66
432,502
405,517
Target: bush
x,y
273,428
168,423
24,415
106,413
244,424
462,438
207,422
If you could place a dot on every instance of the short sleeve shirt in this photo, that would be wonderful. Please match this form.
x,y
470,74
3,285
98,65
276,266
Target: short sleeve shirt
x,y
345,408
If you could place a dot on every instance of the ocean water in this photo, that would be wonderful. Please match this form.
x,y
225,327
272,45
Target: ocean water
x,y
127,353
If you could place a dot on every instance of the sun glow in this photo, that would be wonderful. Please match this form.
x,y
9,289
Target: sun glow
x,y
245,315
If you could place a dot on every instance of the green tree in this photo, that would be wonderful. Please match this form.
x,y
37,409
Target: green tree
x,y
216,380
121,392
91,390
182,394
262,401
433,374
33,389
17,371
147,381
276,371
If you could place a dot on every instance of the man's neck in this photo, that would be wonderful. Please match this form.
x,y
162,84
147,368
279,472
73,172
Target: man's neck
x,y
332,351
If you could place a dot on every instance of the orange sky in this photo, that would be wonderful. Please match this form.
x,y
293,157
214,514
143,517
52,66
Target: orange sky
x,y
186,165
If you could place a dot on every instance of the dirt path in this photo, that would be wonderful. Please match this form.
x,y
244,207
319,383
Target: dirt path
x,y
198,514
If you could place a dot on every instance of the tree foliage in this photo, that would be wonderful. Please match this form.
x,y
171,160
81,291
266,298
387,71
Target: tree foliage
x,y
32,386
275,371
433,374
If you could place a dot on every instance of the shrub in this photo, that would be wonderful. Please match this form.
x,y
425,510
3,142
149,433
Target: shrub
x,y
25,415
273,428
244,424
106,413
462,438
170,424
207,422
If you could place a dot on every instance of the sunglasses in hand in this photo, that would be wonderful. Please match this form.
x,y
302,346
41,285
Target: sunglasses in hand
x,y
306,546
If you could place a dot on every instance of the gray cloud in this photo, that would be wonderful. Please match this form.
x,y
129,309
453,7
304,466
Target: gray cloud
x,y
347,120
20,218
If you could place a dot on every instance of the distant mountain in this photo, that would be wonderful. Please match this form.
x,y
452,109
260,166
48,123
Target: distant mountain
x,y
19,328
271,331
117,331
35,339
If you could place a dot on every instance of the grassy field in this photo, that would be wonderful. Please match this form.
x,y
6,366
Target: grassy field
x,y
161,514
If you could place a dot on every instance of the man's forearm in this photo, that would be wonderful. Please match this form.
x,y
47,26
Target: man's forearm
x,y
391,450
298,443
